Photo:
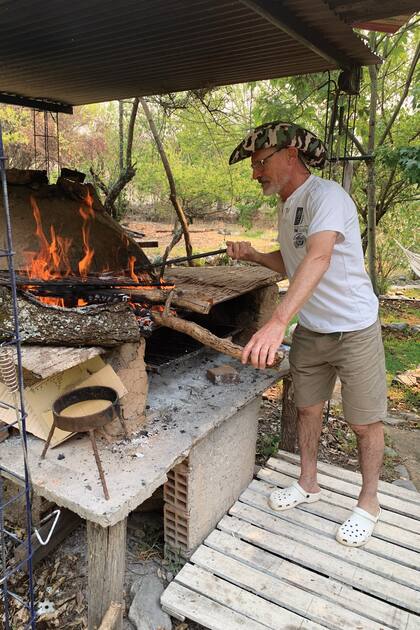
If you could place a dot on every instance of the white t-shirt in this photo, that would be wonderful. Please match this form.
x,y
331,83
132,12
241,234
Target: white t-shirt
x,y
344,299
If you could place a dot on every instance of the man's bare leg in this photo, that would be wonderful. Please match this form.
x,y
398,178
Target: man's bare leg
x,y
370,440
309,431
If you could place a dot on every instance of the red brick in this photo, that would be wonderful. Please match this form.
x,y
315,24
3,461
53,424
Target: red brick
x,y
223,374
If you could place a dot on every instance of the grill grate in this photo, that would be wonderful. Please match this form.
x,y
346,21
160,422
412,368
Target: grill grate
x,y
169,347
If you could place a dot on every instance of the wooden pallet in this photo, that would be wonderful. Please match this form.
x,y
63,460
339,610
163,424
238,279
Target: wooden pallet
x,y
261,569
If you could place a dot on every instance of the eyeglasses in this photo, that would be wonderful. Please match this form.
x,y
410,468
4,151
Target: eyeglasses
x,y
259,164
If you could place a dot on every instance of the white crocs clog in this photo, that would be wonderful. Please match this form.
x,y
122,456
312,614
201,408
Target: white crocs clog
x,y
358,528
287,498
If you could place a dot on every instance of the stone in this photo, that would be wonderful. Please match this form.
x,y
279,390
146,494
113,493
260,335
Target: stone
x,y
405,483
402,471
145,611
394,420
389,452
223,374
399,326
412,417
415,328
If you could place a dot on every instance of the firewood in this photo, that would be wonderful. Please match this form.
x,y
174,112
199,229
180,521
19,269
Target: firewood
x,y
205,337
112,616
99,325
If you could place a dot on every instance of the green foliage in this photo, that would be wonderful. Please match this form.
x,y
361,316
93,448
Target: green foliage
x,y
268,445
402,352
247,208
406,158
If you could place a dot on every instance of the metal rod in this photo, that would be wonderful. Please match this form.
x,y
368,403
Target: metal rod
x,y
98,463
173,261
352,158
17,341
77,283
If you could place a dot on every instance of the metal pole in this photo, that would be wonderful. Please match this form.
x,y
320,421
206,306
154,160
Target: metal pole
x,y
9,255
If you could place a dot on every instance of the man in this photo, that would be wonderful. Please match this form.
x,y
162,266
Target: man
x,y
338,331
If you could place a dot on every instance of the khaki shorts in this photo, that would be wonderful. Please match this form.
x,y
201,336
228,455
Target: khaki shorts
x,y
357,357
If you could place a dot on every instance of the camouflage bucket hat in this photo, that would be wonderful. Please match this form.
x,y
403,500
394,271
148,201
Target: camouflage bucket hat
x,y
282,135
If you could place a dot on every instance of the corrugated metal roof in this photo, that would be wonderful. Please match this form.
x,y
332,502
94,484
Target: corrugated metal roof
x,y
88,51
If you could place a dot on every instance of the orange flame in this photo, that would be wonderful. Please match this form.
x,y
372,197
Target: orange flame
x,y
87,215
52,260
131,262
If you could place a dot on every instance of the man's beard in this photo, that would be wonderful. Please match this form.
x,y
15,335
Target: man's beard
x,y
271,188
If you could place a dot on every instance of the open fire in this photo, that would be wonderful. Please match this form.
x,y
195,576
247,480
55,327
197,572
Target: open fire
x,y
51,263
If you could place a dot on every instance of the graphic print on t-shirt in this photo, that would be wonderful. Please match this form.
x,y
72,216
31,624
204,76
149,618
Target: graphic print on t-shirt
x,y
299,238
298,216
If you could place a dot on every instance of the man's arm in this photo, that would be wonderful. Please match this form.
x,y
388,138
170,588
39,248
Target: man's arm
x,y
261,348
242,250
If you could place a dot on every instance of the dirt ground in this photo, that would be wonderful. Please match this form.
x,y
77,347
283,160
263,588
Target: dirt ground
x,y
206,237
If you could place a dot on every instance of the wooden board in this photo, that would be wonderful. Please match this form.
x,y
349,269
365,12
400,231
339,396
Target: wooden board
x,y
285,569
219,284
40,362
354,477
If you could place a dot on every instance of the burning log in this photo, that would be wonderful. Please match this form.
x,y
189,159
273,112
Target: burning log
x,y
99,325
204,336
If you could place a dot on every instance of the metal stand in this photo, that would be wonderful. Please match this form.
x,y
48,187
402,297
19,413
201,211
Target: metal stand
x,y
95,452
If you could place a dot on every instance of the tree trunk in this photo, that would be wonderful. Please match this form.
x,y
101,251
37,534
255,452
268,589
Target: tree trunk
x,y
173,196
127,172
370,165
121,134
289,418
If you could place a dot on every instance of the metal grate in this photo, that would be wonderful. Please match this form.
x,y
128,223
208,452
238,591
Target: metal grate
x,y
169,347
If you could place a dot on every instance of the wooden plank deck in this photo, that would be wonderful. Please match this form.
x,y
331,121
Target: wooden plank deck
x,y
261,569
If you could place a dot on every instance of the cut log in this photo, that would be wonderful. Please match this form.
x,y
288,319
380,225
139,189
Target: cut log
x,y
205,337
112,617
99,325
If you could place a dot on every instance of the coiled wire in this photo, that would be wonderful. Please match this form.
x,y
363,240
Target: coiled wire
x,y
8,375
8,372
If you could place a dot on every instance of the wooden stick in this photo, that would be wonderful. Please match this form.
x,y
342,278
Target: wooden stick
x,y
112,616
206,337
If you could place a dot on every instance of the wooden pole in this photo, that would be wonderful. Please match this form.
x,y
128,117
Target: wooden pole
x,y
371,176
288,432
106,570
173,195
112,616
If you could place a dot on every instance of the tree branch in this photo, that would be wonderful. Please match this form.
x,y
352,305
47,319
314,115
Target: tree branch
x,y
403,95
173,196
98,182
130,131
356,142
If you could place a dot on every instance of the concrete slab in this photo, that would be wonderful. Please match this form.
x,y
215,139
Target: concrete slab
x,y
183,408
